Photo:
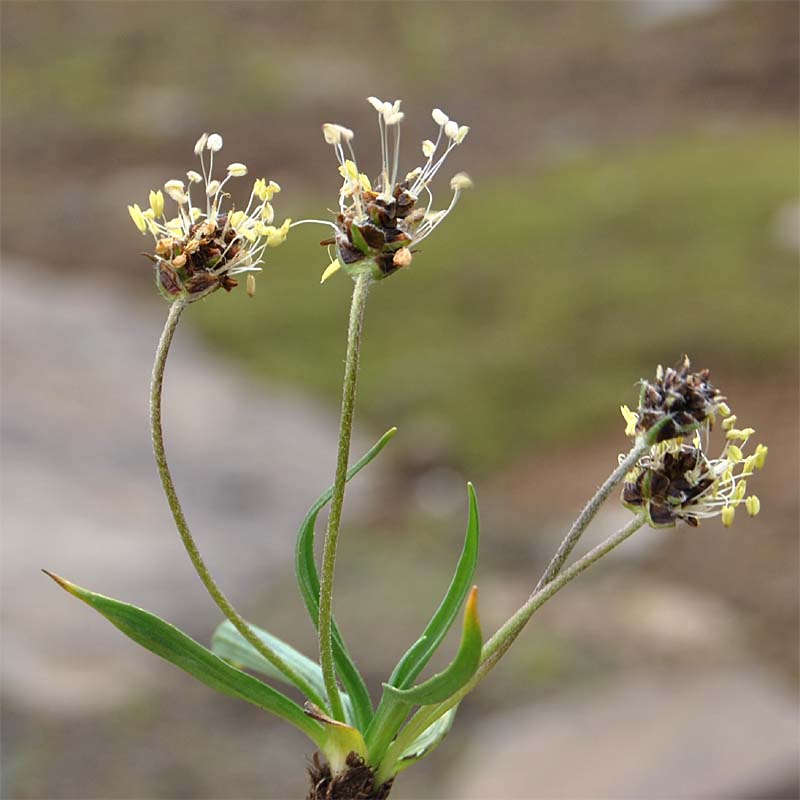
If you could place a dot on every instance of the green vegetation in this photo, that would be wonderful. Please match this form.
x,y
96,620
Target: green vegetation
x,y
531,313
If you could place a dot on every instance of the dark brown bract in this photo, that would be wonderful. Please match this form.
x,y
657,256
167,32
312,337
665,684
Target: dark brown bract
x,y
196,264
668,488
687,398
386,227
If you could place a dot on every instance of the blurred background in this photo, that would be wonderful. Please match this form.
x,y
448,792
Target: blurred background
x,y
636,197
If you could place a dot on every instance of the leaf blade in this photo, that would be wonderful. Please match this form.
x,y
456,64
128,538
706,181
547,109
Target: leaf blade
x,y
229,644
171,644
444,684
418,655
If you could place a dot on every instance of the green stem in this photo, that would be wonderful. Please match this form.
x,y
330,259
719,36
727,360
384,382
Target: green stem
x,y
156,387
357,309
496,647
588,514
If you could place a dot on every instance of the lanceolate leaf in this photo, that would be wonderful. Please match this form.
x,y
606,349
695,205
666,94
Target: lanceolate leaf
x,y
418,655
173,645
229,644
392,710
458,672
308,581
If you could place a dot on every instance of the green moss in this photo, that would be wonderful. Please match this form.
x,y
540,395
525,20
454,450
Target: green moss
x,y
533,310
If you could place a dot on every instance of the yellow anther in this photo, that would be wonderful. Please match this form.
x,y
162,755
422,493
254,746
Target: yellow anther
x,y
753,505
250,286
741,490
260,189
157,202
331,269
727,515
631,419
349,171
235,219
729,422
724,409
138,217
734,453
364,182
761,455
277,236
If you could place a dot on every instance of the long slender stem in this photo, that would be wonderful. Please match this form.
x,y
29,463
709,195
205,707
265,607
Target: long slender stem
x,y
588,514
496,647
224,605
357,309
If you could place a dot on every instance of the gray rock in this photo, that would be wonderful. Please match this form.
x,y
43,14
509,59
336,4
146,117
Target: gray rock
x,y
646,736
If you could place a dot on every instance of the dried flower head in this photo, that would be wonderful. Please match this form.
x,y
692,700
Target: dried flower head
x,y
675,480
203,247
678,402
381,221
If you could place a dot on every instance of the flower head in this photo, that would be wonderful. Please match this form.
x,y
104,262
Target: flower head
x,y
201,249
676,403
381,221
675,479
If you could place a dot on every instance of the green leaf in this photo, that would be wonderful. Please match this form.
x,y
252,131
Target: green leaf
x,y
426,742
418,655
229,644
445,683
308,581
173,645
392,711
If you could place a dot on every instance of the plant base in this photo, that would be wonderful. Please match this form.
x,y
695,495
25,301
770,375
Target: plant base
x,y
357,782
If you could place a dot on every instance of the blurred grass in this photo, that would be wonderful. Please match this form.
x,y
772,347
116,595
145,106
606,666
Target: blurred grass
x,y
533,310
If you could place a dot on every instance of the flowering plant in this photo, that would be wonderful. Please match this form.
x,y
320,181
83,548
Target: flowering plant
x,y
667,475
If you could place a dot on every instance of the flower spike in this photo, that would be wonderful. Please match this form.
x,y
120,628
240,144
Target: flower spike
x,y
380,222
201,249
675,479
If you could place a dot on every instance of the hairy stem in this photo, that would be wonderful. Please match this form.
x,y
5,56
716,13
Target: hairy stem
x,y
224,605
357,309
588,514
496,647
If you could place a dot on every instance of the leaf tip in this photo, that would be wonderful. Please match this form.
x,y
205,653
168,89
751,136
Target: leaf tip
x,y
471,609
62,582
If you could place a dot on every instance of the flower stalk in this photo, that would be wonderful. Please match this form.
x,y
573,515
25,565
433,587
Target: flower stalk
x,y
354,330
224,605
589,512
